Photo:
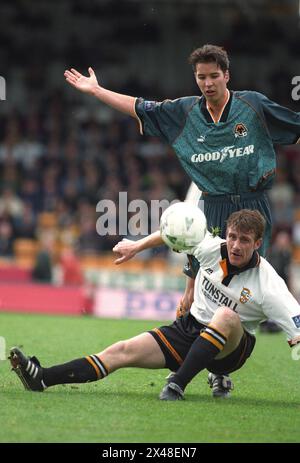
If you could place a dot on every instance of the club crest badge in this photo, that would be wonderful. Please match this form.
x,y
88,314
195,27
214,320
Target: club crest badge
x,y
245,295
240,130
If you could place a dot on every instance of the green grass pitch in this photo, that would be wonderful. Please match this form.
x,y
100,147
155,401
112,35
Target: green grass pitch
x,y
264,407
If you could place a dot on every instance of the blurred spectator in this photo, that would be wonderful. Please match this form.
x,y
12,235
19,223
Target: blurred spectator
x,y
30,193
26,224
296,175
29,152
92,179
280,255
64,214
70,268
9,148
50,193
10,203
282,197
153,148
296,226
89,242
71,186
43,267
42,270
6,238
282,190
11,175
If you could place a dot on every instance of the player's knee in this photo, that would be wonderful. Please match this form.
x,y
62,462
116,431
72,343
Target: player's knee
x,y
123,350
227,317
117,349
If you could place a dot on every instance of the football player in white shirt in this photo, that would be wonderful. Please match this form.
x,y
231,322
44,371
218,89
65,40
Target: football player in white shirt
x,y
235,290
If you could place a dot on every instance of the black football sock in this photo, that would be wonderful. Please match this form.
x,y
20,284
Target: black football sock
x,y
203,351
81,370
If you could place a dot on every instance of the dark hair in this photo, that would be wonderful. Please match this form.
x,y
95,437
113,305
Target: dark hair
x,y
210,54
247,221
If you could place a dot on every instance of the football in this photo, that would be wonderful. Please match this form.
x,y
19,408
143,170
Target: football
x,y
182,226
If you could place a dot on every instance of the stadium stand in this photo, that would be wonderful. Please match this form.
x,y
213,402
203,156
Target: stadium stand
x,y
61,153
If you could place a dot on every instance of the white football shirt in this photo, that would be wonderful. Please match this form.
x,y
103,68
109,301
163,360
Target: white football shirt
x,y
256,293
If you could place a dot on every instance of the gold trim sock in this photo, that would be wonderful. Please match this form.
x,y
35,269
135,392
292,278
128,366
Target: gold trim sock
x,y
82,370
202,352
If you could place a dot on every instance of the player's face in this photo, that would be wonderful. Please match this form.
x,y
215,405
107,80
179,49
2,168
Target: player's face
x,y
240,246
212,81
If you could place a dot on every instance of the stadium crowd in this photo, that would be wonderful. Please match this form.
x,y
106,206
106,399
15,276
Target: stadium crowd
x,y
60,155
52,163
48,166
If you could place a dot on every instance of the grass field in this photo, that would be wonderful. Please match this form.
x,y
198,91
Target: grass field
x,y
264,407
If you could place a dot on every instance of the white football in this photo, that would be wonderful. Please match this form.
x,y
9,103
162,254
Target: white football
x,y
182,226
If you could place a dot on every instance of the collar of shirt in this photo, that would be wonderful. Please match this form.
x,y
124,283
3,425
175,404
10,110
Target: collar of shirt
x,y
225,112
230,270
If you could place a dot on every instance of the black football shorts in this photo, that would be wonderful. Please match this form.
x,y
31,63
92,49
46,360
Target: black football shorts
x,y
175,341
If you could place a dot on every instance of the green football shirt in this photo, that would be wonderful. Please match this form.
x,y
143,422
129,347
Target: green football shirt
x,y
233,156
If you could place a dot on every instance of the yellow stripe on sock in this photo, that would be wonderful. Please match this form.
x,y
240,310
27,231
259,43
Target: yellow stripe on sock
x,y
217,331
209,338
91,361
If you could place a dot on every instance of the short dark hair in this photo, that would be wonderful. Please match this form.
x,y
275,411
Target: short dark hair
x,y
210,54
248,221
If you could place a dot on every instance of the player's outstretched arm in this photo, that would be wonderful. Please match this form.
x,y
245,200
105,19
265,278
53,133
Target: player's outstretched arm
x,y
126,249
82,83
90,85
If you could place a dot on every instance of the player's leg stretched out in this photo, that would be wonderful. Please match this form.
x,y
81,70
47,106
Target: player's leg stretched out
x,y
177,347
141,351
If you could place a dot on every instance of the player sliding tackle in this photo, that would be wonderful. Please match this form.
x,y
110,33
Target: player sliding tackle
x,y
235,290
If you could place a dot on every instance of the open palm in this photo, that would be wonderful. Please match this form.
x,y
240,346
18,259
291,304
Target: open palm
x,y
125,250
82,83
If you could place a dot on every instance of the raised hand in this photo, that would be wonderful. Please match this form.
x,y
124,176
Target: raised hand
x,y
125,249
82,83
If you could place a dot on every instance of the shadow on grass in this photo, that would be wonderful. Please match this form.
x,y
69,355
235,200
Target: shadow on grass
x,y
66,392
244,401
